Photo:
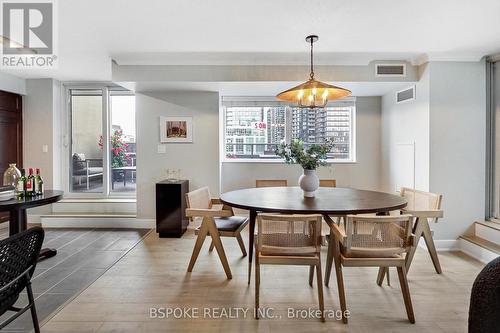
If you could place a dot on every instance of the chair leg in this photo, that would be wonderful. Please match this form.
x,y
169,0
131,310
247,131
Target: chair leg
x,y
406,294
202,234
311,275
340,281
214,233
257,285
431,247
388,276
31,300
320,290
380,275
382,272
241,244
329,259
211,248
418,232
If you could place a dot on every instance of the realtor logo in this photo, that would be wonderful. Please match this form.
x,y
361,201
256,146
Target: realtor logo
x,y
28,34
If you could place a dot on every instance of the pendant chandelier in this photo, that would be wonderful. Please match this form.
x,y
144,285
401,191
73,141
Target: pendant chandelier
x,y
313,93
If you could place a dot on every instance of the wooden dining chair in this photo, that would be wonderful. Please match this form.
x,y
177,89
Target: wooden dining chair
x,y
278,244
216,222
271,182
423,206
370,241
327,183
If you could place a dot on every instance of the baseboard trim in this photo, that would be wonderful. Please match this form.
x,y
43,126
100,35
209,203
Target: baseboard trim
x,y
95,222
442,244
34,219
476,251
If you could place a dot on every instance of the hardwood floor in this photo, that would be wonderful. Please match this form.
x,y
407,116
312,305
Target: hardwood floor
x,y
153,275
83,256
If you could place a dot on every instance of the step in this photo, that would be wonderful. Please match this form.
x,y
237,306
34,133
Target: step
x,y
105,206
98,200
488,230
87,215
479,248
94,220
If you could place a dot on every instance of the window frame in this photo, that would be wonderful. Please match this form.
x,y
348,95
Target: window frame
x,y
107,91
259,101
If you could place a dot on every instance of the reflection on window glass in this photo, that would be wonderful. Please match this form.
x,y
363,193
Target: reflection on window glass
x,y
122,144
86,171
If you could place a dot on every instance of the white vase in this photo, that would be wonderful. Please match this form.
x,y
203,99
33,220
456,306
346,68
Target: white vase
x,y
309,183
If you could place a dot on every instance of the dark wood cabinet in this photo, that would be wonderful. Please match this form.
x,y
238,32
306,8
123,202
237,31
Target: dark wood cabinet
x,y
11,136
171,220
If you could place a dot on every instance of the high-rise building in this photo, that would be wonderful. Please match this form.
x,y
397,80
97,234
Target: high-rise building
x,y
244,127
276,120
315,125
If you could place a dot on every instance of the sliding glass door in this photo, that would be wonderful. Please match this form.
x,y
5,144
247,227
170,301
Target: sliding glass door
x,y
87,158
122,143
102,149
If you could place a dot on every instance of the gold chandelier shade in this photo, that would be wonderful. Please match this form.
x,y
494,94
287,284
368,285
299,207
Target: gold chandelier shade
x,y
312,94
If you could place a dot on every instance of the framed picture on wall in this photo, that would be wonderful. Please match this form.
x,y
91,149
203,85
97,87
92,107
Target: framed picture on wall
x,y
176,129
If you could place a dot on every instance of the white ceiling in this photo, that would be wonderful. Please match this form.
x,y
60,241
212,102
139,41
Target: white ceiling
x,y
263,88
92,32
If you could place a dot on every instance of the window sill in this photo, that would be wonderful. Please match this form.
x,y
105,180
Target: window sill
x,y
265,161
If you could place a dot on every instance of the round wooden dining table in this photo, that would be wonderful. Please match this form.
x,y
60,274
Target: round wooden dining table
x,y
329,201
17,210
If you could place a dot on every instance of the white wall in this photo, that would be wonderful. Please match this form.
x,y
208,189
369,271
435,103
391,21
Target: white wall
x,y
12,84
406,123
38,127
365,174
42,126
447,121
199,161
57,134
458,143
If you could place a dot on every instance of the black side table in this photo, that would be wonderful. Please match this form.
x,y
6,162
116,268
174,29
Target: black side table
x,y
171,220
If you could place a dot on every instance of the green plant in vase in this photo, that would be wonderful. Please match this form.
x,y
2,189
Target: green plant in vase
x,y
309,158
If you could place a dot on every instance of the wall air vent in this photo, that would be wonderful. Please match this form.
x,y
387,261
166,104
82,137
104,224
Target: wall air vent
x,y
392,70
405,95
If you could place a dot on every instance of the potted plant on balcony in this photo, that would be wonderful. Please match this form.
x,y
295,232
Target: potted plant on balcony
x,y
309,158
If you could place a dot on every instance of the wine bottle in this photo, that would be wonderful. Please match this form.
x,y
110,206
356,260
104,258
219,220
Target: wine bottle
x,y
38,183
21,185
30,184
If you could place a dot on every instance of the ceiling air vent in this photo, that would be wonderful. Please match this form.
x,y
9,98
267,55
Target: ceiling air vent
x,y
405,95
394,70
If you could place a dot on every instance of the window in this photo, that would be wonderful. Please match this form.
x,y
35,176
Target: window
x,y
99,166
493,155
122,142
253,128
86,165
